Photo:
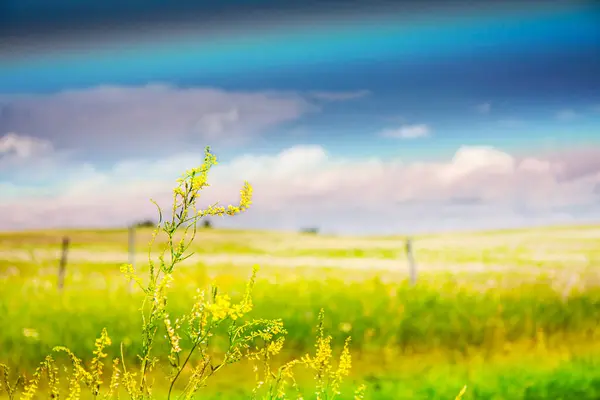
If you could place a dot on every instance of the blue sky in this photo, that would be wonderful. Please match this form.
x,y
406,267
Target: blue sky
x,y
406,88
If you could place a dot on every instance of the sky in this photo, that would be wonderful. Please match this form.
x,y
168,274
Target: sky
x,y
356,117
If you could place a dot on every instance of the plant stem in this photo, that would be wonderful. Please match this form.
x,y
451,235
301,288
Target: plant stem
x,y
181,369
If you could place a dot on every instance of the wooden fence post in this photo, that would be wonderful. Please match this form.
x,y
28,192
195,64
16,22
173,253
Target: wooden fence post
x,y
63,263
131,242
411,261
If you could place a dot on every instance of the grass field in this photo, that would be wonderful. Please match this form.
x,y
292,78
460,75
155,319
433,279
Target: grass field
x,y
510,314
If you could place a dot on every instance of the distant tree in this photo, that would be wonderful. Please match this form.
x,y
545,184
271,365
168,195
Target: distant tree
x,y
312,231
206,224
147,223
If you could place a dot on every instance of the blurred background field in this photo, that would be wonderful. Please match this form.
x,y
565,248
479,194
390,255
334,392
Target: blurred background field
x,y
510,314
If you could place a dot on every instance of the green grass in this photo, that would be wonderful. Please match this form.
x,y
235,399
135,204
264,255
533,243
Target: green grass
x,y
527,333
435,314
578,379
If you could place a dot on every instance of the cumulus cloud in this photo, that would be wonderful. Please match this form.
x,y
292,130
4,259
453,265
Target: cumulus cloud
x,y
408,132
27,157
112,117
23,147
575,164
306,185
339,96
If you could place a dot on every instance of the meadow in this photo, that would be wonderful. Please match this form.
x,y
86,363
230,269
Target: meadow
x,y
510,314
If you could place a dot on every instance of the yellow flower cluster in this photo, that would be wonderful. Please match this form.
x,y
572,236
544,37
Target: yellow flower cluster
x,y
344,367
79,374
196,179
114,380
222,308
326,377
97,365
51,370
198,318
245,202
173,336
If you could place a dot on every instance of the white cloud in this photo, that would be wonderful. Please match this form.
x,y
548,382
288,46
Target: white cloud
x,y
112,117
484,108
566,115
408,132
305,185
535,166
471,159
23,147
26,157
218,123
339,96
